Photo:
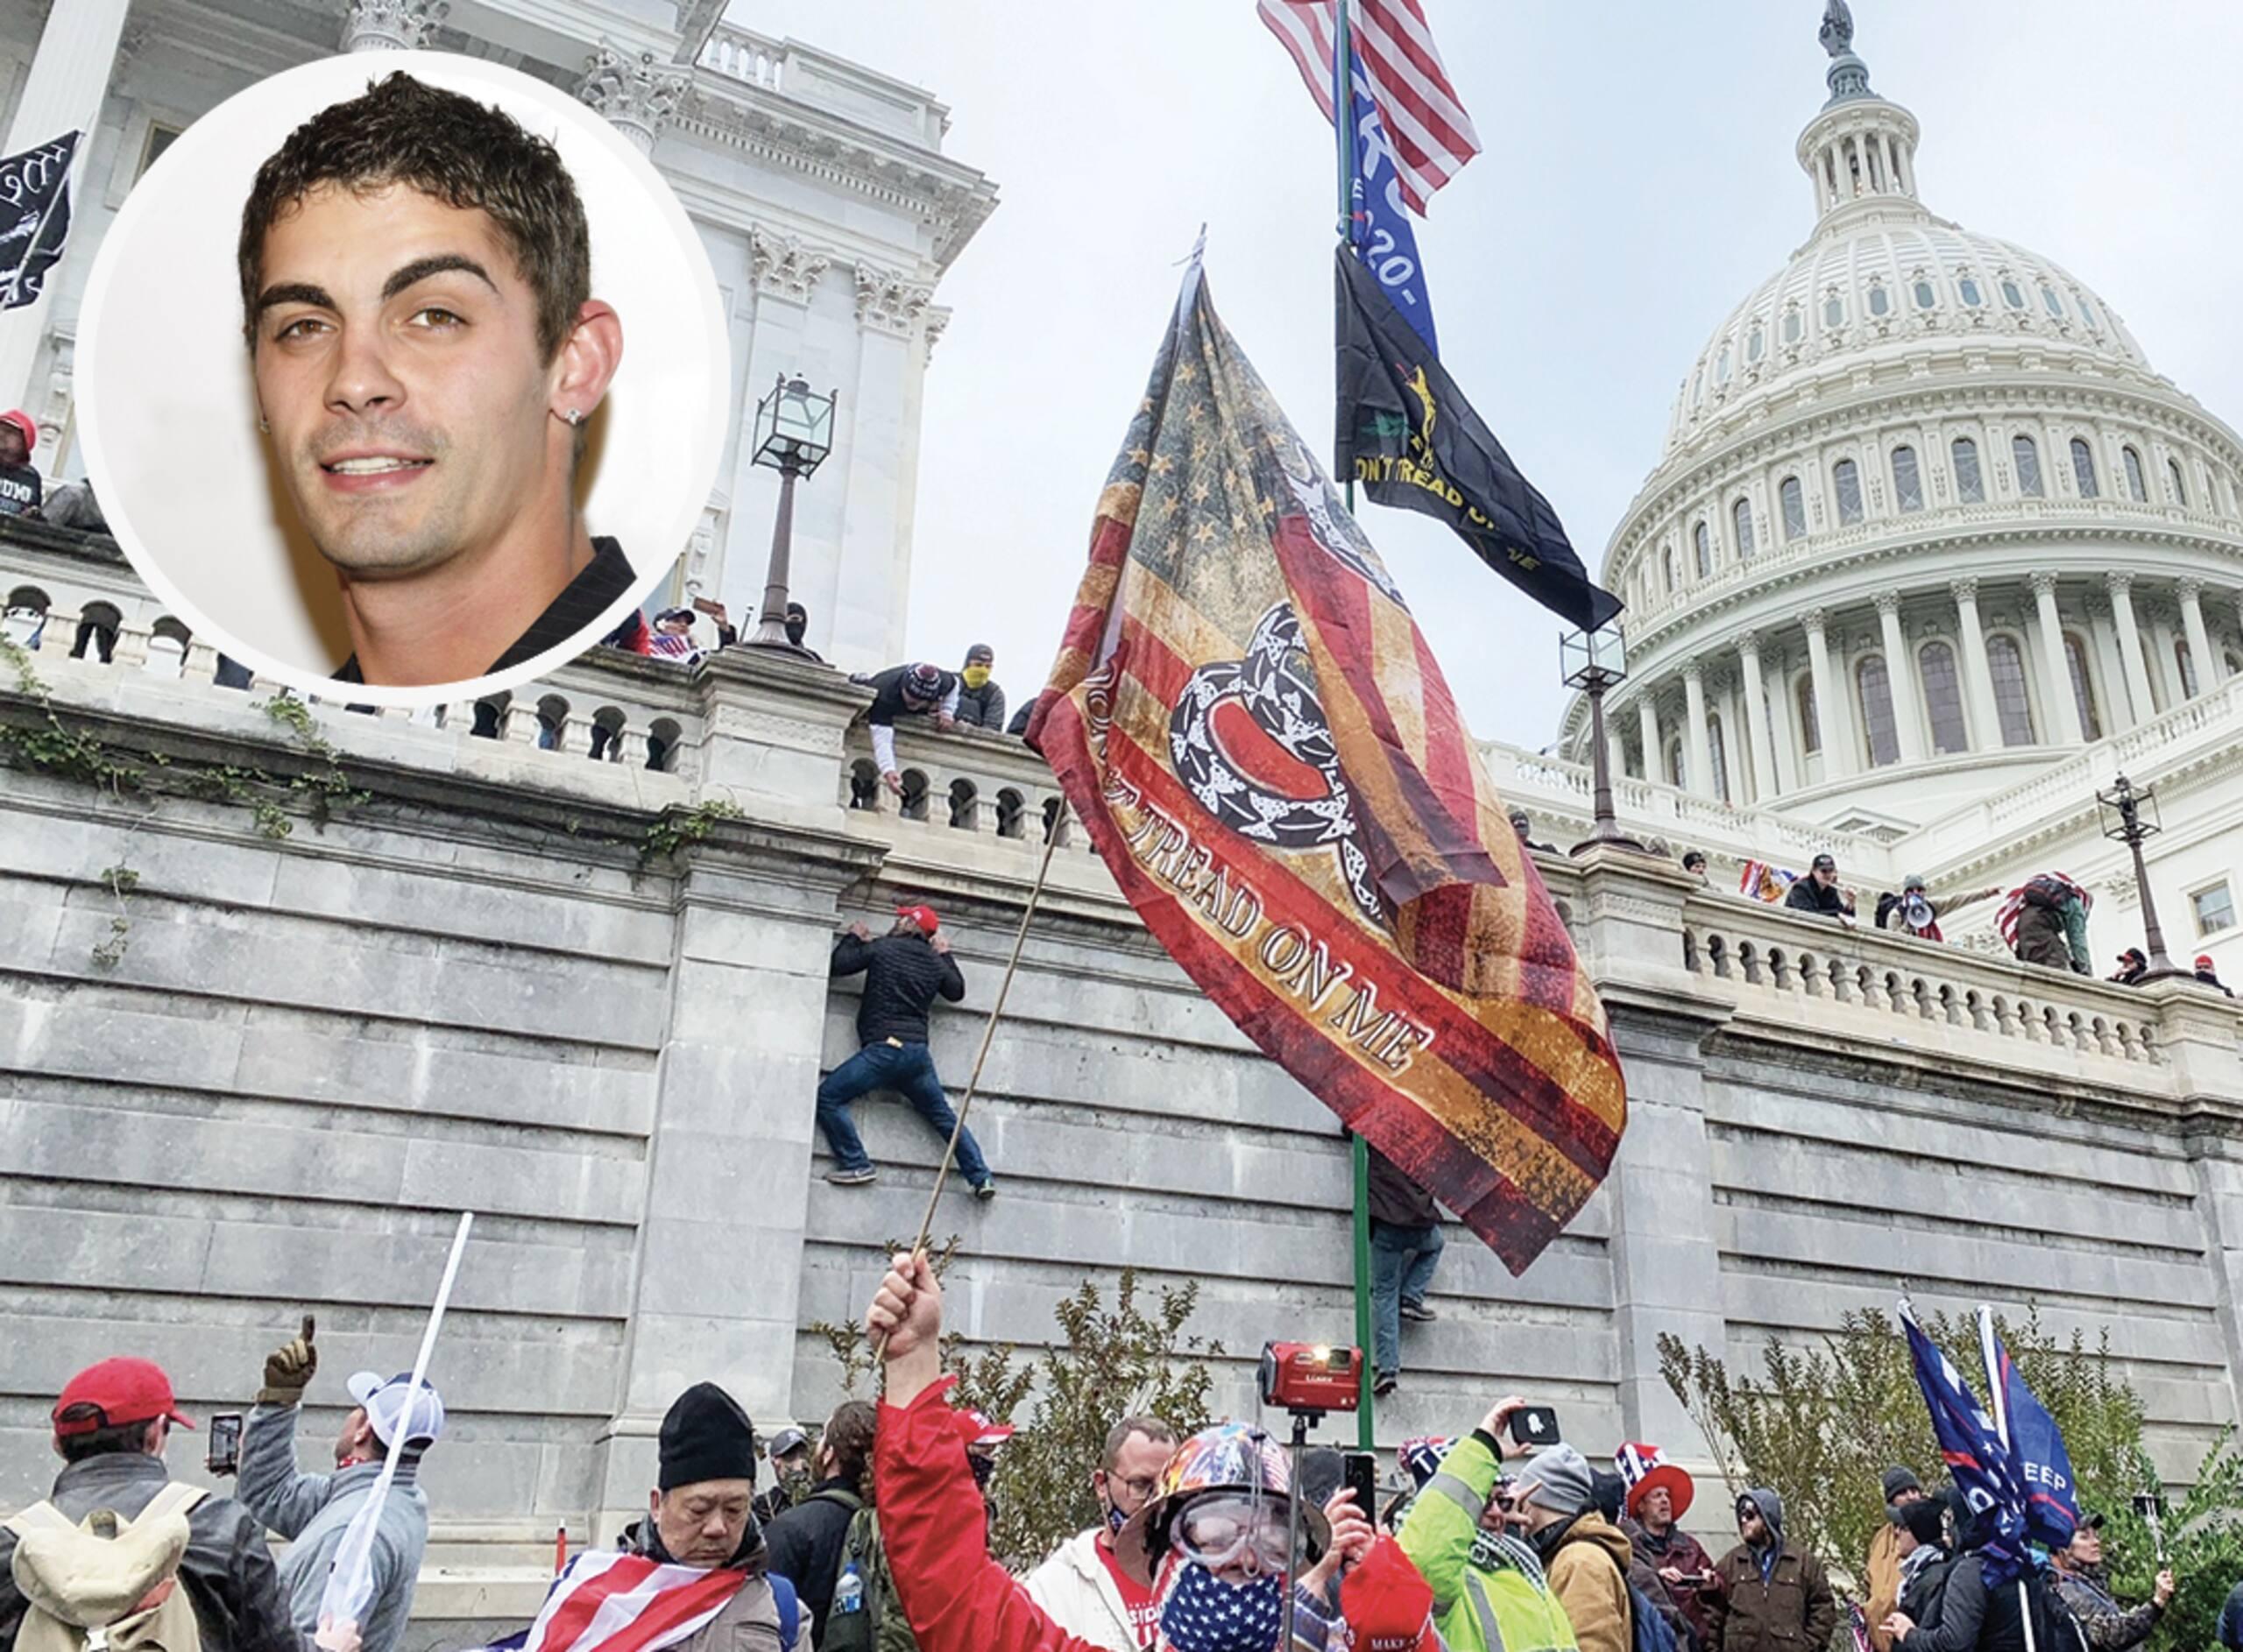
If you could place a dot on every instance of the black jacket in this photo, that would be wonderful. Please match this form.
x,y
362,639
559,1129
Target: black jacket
x,y
1806,895
888,695
1395,1199
803,1546
903,976
1974,1619
1922,1595
982,708
226,1570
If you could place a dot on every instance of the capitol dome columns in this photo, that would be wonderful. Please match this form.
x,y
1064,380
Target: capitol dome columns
x,y
1977,675
1647,725
1755,693
1901,678
1701,750
2064,705
2202,655
1831,711
2141,708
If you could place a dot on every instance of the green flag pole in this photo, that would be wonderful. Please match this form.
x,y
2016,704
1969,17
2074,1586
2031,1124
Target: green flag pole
x,y
1343,124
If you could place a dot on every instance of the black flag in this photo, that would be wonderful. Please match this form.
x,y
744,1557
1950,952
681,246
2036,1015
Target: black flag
x,y
1408,437
34,217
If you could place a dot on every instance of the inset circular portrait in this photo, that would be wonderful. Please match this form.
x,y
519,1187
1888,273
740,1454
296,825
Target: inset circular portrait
x,y
403,378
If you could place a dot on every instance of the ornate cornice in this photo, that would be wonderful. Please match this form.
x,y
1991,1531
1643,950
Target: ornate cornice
x,y
953,201
637,91
391,26
1964,590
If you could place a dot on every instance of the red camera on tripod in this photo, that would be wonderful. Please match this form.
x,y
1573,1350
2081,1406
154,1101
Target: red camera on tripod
x,y
1301,1376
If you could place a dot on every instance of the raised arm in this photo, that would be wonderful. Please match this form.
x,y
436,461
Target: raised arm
x,y
852,953
270,1485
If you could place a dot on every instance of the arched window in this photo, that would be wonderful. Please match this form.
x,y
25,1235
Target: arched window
x,y
2173,476
1010,808
2026,457
1907,485
1879,304
2086,309
552,722
1969,289
1702,544
2005,664
2049,297
1969,486
2082,468
2137,487
1718,755
1943,697
1925,297
1720,367
1834,311
1757,345
1675,761
1741,514
2082,687
1845,478
1811,726
1794,502
1877,712
2012,294
2187,664
1790,325
965,806
1666,567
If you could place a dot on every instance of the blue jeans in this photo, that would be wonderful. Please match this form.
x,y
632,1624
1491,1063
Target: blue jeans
x,y
1402,1262
909,1070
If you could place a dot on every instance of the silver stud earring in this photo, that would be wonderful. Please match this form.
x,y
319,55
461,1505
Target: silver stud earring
x,y
574,416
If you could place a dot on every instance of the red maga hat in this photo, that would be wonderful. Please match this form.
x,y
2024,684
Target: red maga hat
x,y
114,1393
925,916
1387,1604
1644,1468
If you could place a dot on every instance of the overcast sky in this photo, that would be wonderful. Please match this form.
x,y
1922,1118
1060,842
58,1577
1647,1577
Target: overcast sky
x,y
1637,180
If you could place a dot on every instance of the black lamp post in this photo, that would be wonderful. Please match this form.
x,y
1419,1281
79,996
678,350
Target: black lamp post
x,y
1593,661
794,431
2128,817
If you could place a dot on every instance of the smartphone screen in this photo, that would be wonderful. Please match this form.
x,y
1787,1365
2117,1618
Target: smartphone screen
x,y
225,1453
1360,1475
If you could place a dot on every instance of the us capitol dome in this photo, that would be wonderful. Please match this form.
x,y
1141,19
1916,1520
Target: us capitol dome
x,y
1926,519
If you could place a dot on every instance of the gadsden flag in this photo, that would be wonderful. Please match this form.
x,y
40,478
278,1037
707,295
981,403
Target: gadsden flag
x,y
1247,721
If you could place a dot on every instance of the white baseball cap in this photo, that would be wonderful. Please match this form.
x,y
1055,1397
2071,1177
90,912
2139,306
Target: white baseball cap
x,y
389,1400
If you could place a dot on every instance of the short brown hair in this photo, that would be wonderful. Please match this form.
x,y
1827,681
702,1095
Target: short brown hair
x,y
849,1437
1117,1436
464,153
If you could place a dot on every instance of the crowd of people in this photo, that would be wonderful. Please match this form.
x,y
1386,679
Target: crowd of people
x,y
873,1536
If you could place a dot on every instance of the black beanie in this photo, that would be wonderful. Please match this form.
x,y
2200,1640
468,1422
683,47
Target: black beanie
x,y
1923,1521
706,1436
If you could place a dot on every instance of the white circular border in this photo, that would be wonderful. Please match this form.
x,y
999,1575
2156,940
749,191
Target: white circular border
x,y
651,406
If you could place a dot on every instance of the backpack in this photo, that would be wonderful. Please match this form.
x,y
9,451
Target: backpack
x,y
1648,1629
790,1611
853,1621
106,1584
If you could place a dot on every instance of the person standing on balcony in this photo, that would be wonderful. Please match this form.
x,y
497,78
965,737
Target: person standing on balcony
x,y
905,970
1913,912
1818,892
20,481
980,701
917,690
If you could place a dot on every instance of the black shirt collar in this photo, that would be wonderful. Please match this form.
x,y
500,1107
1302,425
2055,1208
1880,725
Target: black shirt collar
x,y
581,602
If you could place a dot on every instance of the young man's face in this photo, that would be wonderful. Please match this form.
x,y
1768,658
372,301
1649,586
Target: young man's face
x,y
398,364
13,448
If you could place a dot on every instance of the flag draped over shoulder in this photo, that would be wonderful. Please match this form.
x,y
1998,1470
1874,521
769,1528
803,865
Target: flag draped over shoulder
x,y
1972,1445
1409,439
1258,740
2043,1465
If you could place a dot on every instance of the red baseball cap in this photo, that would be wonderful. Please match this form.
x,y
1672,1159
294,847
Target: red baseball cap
x,y
114,1393
22,421
1388,1605
975,1428
2204,960
924,916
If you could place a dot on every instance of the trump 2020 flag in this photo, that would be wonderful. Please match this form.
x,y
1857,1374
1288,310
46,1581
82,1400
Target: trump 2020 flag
x,y
1262,747
1970,1443
2035,1445
34,217
1411,439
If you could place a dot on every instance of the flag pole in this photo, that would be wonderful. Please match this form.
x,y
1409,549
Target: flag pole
x,y
988,1033
1343,126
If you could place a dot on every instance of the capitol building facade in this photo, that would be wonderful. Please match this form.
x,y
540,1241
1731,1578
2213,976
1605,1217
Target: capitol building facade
x,y
1932,556
1931,551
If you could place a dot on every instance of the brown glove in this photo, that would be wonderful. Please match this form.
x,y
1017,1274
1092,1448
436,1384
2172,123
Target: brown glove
x,y
288,1370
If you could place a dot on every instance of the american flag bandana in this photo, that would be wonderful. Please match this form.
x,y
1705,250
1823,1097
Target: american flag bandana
x,y
1203,1614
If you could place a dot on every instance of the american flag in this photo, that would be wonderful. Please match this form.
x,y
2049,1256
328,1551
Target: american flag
x,y
2013,906
612,1602
1430,135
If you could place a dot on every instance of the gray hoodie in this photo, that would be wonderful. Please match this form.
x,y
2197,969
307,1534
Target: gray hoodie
x,y
313,1511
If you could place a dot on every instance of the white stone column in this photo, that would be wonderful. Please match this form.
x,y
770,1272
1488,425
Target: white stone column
x,y
2206,659
69,78
1701,750
1977,675
2117,716
636,90
2120,585
1781,736
1615,752
2055,673
391,26
1647,724
1837,749
1753,690
1900,672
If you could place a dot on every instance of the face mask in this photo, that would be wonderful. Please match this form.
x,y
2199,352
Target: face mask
x,y
795,1485
796,630
1203,1614
975,675
1116,1520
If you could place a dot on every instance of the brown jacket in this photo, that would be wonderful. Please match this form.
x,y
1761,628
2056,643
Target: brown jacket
x,y
1587,1572
1793,1611
1884,1575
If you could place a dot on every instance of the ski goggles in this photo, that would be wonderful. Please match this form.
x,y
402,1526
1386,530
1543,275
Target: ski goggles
x,y
1221,1531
